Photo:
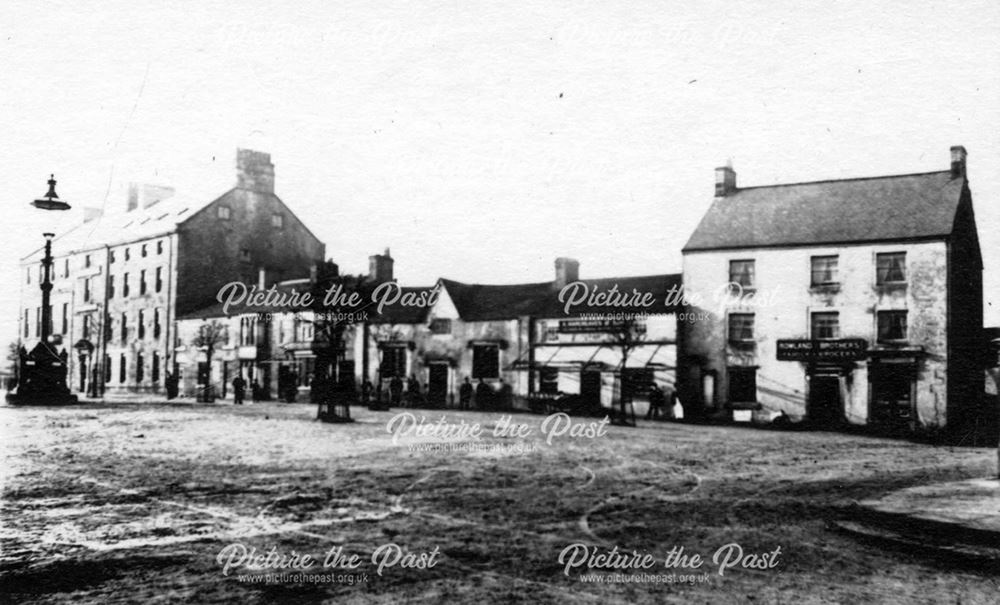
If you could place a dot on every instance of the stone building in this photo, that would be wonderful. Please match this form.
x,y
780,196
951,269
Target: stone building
x,y
854,301
123,279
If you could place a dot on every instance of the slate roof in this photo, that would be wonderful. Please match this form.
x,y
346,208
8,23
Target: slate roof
x,y
478,302
903,207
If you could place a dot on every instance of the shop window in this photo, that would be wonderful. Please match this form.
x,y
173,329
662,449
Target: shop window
x,y
742,272
742,385
741,327
825,325
486,361
890,268
891,326
440,326
393,361
825,271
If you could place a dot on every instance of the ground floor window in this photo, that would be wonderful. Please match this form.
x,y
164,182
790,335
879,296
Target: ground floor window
x,y
892,393
486,361
742,384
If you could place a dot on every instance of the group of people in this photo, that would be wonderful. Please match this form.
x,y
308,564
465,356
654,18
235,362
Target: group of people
x,y
240,390
486,398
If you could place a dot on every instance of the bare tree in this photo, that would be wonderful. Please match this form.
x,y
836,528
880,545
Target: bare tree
x,y
210,335
627,335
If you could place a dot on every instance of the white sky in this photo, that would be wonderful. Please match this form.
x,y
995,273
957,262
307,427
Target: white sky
x,y
481,140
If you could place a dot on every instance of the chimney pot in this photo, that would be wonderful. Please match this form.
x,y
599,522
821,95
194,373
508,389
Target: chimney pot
x,y
958,155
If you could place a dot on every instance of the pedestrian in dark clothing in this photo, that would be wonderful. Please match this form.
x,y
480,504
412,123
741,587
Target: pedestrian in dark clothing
x,y
395,391
506,396
255,391
465,395
367,388
413,391
657,401
484,395
239,389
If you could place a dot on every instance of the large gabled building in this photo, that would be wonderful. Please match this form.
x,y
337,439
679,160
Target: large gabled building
x,y
853,301
121,280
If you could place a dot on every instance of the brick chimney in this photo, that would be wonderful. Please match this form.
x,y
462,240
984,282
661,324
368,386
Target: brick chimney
x,y
254,171
958,155
725,180
380,267
567,271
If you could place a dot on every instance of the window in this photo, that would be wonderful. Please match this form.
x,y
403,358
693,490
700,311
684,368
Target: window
x,y
141,325
107,369
890,268
65,318
125,286
128,254
156,323
824,270
223,213
248,331
111,286
155,369
86,327
159,278
86,290
548,381
111,258
245,254
742,272
440,326
159,247
142,281
38,322
28,276
108,329
138,367
124,327
486,361
86,260
742,385
393,361
825,325
891,326
27,323
741,327
121,368
66,267
277,221
143,251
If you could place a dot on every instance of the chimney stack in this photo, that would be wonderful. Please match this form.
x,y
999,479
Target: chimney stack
x,y
567,272
725,180
144,195
958,155
254,171
380,267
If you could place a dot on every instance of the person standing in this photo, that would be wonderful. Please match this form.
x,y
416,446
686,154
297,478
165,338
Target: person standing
x,y
484,395
413,391
505,396
656,402
395,391
239,389
465,395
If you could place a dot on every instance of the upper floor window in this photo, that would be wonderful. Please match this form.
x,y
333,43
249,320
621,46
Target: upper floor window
x,y
143,250
825,325
277,220
128,254
159,278
86,260
125,285
86,290
159,247
111,258
223,212
742,272
824,271
28,276
440,326
741,327
890,268
66,267
142,281
891,326
111,286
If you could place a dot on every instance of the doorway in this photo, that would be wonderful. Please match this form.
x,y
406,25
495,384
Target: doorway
x,y
437,384
892,386
825,408
590,389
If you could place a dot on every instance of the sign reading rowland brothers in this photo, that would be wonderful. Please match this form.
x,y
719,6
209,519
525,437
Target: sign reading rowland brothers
x,y
845,349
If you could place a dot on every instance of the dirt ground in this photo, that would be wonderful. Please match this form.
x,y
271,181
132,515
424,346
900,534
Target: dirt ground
x,y
134,503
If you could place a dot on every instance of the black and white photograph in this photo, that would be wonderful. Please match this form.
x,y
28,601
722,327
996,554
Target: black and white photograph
x,y
486,302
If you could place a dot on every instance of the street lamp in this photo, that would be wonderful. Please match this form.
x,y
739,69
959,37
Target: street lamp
x,y
42,377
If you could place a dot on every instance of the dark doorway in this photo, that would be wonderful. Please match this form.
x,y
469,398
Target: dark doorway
x,y
590,389
892,395
437,384
825,406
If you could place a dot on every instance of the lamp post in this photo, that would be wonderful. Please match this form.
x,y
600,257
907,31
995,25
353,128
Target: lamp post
x,y
43,370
